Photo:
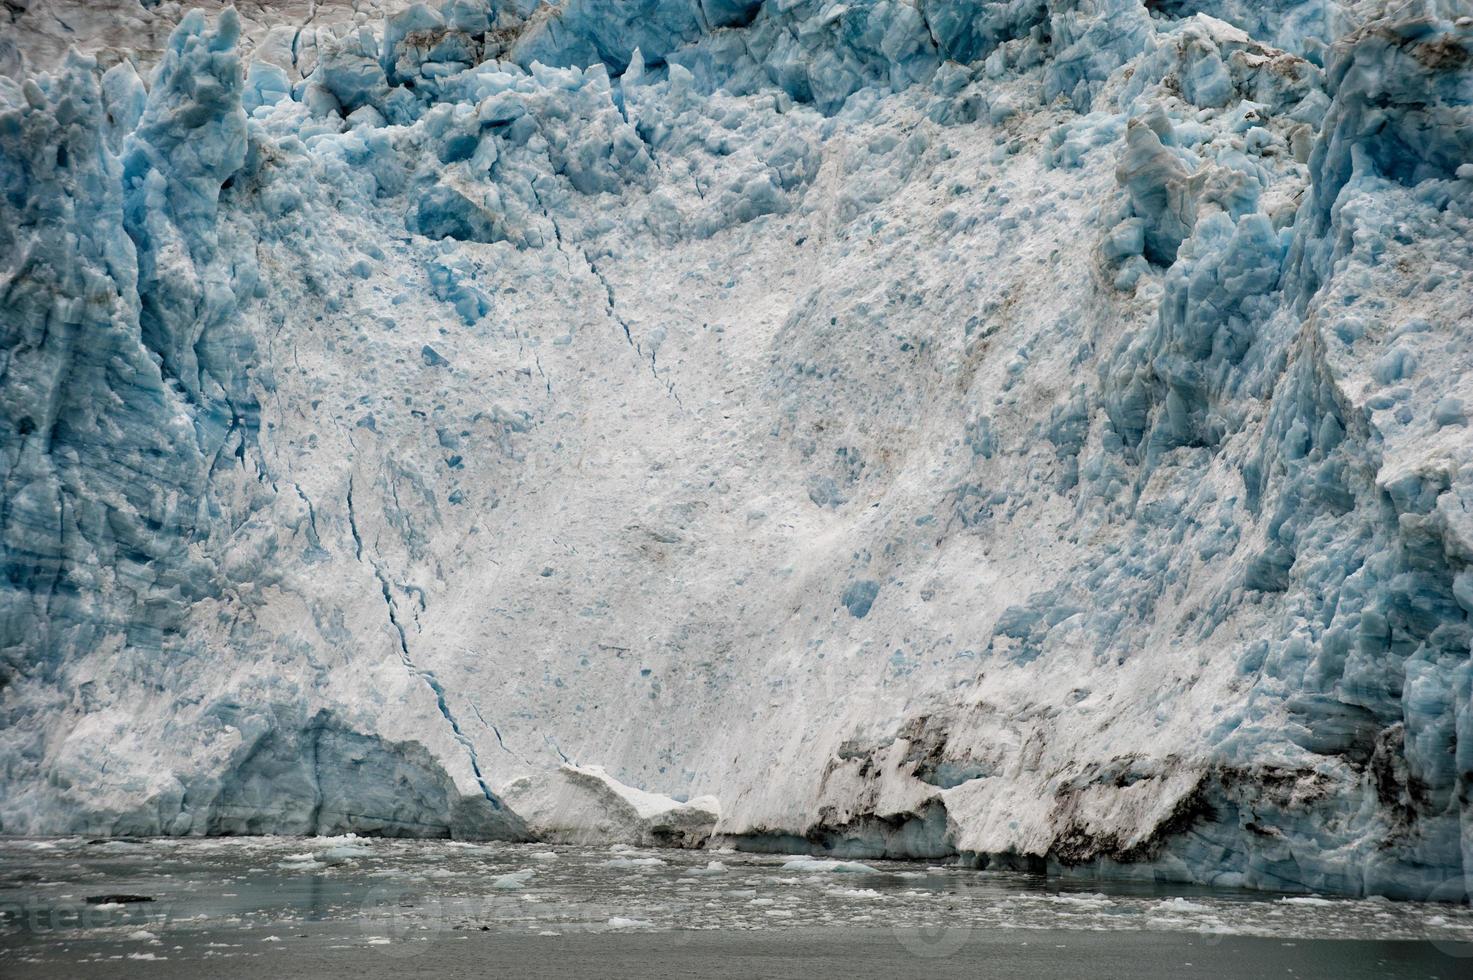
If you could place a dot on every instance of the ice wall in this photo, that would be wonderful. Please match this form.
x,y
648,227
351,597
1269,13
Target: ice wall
x,y
1031,430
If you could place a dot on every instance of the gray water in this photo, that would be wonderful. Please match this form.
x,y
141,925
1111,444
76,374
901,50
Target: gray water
x,y
368,907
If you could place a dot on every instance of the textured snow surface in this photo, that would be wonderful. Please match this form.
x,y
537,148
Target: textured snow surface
x,y
1035,431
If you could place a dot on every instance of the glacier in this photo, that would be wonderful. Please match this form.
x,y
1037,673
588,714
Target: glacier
x,y
1033,432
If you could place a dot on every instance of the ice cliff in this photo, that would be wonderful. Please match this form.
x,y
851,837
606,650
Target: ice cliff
x,y
1035,431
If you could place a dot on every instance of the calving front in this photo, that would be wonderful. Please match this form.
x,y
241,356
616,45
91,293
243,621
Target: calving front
x,y
1029,432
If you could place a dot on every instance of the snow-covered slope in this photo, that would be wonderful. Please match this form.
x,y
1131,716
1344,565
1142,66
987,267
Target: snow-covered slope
x,y
1033,430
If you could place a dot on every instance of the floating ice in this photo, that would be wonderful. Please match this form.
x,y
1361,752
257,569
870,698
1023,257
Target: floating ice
x,y
622,922
1181,905
624,862
513,881
824,865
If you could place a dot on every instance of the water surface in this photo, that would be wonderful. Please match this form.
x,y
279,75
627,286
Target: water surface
x,y
368,907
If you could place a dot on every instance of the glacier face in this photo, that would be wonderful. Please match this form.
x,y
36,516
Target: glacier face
x,y
1032,430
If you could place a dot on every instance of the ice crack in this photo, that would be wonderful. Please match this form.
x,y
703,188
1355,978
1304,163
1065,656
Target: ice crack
x,y
427,676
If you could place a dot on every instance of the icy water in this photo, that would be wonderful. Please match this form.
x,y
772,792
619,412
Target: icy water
x,y
279,907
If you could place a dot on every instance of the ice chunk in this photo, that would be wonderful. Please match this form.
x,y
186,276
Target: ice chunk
x,y
627,862
827,866
514,881
584,804
1161,189
859,596
620,922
